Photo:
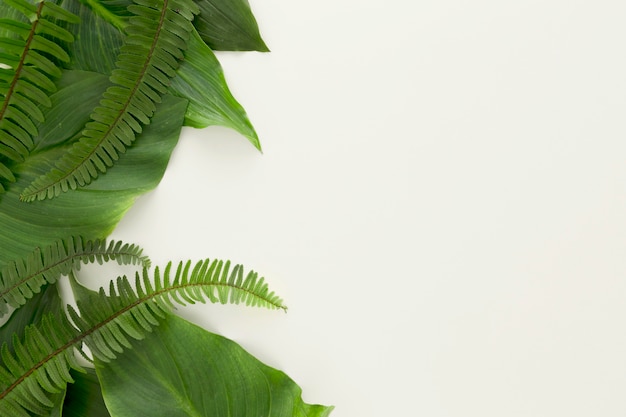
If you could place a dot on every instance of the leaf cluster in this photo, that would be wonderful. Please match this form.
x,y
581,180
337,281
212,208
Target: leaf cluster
x,y
105,323
93,97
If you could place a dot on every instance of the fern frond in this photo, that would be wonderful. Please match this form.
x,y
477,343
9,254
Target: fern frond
x,y
157,35
106,322
21,278
27,74
38,367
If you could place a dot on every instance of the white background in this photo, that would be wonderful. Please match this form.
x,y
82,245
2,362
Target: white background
x,y
441,202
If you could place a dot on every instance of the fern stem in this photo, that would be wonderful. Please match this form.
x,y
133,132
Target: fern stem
x,y
29,194
61,261
86,333
20,65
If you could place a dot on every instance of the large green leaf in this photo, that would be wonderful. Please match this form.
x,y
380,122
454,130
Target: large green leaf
x,y
200,77
62,124
93,211
229,25
97,40
201,80
220,379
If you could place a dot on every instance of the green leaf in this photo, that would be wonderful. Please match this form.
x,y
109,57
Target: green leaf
x,y
200,76
229,25
104,320
201,80
21,278
130,103
26,76
219,379
45,302
84,397
96,43
94,211
40,364
63,125
57,408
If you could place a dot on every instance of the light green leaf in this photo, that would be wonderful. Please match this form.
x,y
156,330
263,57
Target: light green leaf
x,y
220,379
201,80
229,25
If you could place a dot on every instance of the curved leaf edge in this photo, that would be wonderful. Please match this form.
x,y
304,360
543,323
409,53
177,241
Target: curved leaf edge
x,y
104,323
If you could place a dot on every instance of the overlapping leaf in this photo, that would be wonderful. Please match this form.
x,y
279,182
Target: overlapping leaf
x,y
157,37
21,278
221,379
92,211
106,323
229,25
27,75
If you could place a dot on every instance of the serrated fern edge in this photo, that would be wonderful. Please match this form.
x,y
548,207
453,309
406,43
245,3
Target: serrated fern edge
x,y
26,78
157,32
41,363
20,279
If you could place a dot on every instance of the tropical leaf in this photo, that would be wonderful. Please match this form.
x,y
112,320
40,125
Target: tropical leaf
x,y
40,365
22,278
98,37
201,80
93,211
157,37
27,75
229,25
220,379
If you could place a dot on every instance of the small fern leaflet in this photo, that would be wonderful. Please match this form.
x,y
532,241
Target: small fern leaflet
x,y
27,74
41,363
21,278
157,35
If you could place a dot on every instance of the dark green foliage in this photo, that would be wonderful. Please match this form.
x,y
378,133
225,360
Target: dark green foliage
x,y
157,35
29,61
108,78
105,323
229,25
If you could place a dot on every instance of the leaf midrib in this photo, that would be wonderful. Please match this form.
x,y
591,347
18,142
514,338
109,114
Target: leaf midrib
x,y
22,61
84,334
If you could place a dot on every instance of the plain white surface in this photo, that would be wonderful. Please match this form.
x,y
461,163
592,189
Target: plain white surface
x,y
441,202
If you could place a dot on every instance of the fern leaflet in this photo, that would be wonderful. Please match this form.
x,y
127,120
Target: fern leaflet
x,y
26,75
21,278
41,363
157,35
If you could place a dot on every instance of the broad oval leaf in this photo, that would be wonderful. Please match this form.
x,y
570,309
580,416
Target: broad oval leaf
x,y
220,379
